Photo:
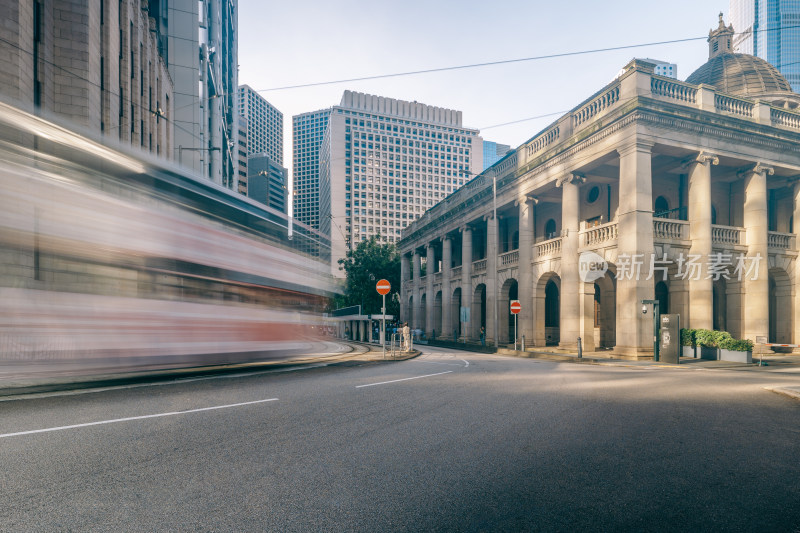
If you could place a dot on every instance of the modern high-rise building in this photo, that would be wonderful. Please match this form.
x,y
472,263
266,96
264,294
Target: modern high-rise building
x,y
384,162
493,152
267,182
264,124
201,46
241,154
99,65
308,130
663,68
769,29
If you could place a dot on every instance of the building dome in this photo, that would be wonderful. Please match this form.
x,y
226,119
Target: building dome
x,y
741,75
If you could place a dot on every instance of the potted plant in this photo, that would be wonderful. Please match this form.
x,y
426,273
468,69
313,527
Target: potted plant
x,y
740,351
688,347
709,341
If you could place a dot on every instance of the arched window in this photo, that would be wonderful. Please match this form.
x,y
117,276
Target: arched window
x,y
550,229
596,305
661,207
662,295
713,215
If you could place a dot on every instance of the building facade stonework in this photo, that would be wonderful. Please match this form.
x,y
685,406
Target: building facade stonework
x,y
651,189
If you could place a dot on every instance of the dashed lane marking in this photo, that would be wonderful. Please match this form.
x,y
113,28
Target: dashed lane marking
x,y
128,419
403,379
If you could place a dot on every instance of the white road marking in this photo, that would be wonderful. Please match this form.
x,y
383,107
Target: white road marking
x,y
404,379
466,363
435,363
134,418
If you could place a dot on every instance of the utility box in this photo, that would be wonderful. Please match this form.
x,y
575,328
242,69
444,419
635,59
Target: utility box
x,y
670,343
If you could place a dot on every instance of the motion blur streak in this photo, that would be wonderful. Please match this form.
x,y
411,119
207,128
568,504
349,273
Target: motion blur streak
x,y
122,260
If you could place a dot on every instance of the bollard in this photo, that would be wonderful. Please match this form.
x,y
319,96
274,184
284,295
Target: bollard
x,y
580,349
523,343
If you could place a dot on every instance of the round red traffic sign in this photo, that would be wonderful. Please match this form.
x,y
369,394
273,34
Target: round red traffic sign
x,y
516,307
383,287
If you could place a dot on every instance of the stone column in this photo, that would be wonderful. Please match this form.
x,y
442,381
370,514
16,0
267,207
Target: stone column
x,y
635,243
701,296
756,291
447,291
570,277
417,290
466,277
404,287
525,283
430,271
491,280
796,230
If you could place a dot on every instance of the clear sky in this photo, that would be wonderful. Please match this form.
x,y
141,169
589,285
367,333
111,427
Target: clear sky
x,y
309,41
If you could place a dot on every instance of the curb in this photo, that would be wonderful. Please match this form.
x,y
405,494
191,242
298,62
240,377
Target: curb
x,y
792,392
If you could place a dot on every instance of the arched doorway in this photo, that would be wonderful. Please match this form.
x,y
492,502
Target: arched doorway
x,y
661,208
605,311
550,229
455,315
720,301
662,295
437,316
552,313
410,312
422,318
508,292
781,312
478,310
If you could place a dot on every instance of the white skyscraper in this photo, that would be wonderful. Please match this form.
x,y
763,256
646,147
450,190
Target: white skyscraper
x,y
384,162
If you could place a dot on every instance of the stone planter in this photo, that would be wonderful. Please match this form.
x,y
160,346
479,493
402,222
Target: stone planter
x,y
735,356
688,351
709,353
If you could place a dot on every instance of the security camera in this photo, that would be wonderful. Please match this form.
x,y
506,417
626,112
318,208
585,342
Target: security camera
x,y
644,309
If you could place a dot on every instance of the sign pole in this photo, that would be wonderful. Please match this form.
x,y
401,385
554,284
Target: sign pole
x,y
515,332
383,326
383,287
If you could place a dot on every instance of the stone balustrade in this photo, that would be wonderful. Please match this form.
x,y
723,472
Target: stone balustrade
x,y
549,247
455,273
599,104
735,106
784,118
599,235
726,235
437,278
543,141
479,265
673,89
509,259
664,228
781,241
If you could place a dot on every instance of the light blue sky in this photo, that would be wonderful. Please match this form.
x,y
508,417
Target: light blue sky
x,y
305,41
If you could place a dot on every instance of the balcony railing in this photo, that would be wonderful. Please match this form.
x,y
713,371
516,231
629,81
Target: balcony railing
x,y
670,229
546,248
673,89
599,235
781,241
455,273
437,278
509,258
726,235
479,265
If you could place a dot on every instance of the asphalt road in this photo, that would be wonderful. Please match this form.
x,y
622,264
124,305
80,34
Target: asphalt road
x,y
450,441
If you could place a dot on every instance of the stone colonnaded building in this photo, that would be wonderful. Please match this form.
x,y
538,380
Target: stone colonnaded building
x,y
651,189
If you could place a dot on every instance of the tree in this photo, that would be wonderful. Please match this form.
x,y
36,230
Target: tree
x,y
369,262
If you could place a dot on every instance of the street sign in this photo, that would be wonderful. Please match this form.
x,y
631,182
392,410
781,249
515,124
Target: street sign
x,y
516,307
383,287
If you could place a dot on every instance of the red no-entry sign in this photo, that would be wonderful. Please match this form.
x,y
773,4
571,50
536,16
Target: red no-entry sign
x,y
383,287
516,307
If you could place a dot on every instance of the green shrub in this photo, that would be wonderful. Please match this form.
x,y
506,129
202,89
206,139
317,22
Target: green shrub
x,y
687,337
739,345
711,338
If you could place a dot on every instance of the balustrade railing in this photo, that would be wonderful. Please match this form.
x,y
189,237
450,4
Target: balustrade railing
x,y
782,241
597,105
664,228
437,278
455,272
550,247
726,235
599,235
671,89
509,258
733,105
785,118
479,265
